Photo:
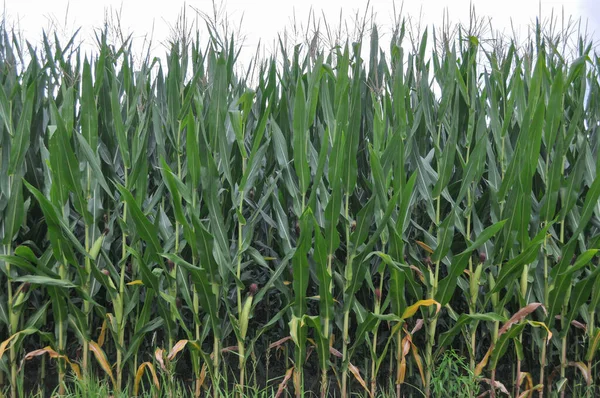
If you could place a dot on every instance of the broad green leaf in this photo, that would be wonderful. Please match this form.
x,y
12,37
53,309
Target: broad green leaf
x,y
20,143
301,136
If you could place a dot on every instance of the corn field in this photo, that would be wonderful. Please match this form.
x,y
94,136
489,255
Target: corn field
x,y
317,223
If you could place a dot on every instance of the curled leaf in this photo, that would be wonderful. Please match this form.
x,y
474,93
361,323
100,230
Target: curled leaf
x,y
231,348
410,311
103,361
284,382
424,246
519,315
6,342
481,365
280,342
356,372
585,371
159,354
55,355
335,352
180,345
140,373
497,385
102,335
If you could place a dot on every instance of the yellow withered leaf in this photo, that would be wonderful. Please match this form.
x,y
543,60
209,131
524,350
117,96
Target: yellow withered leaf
x,y
102,360
526,377
401,374
410,311
497,385
424,246
202,376
529,393
55,355
102,334
6,342
318,298
593,346
159,354
481,365
284,382
520,315
356,372
418,361
585,371
279,342
140,373
542,325
180,345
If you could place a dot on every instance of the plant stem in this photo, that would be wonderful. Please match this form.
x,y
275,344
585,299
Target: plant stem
x,y
564,326
433,317
61,338
399,356
216,355
474,284
377,311
241,348
348,279
326,331
546,299
121,322
13,325
88,270
173,289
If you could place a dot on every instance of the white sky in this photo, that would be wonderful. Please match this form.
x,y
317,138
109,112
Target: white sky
x,y
263,19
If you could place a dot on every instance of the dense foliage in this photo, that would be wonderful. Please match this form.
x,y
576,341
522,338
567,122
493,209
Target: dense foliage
x,y
328,225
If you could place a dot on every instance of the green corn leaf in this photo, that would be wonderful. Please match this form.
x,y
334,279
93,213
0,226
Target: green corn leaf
x,y
56,229
300,263
447,158
446,338
145,228
60,314
444,239
447,286
300,139
579,297
363,223
149,278
171,183
193,150
89,113
208,300
359,269
503,342
64,162
322,341
5,111
205,242
120,131
14,214
562,277
21,139
93,162
350,171
324,276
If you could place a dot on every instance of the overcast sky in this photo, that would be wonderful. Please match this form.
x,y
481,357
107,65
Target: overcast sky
x,y
263,19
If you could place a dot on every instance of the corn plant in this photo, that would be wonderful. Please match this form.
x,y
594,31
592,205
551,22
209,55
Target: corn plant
x,y
171,222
